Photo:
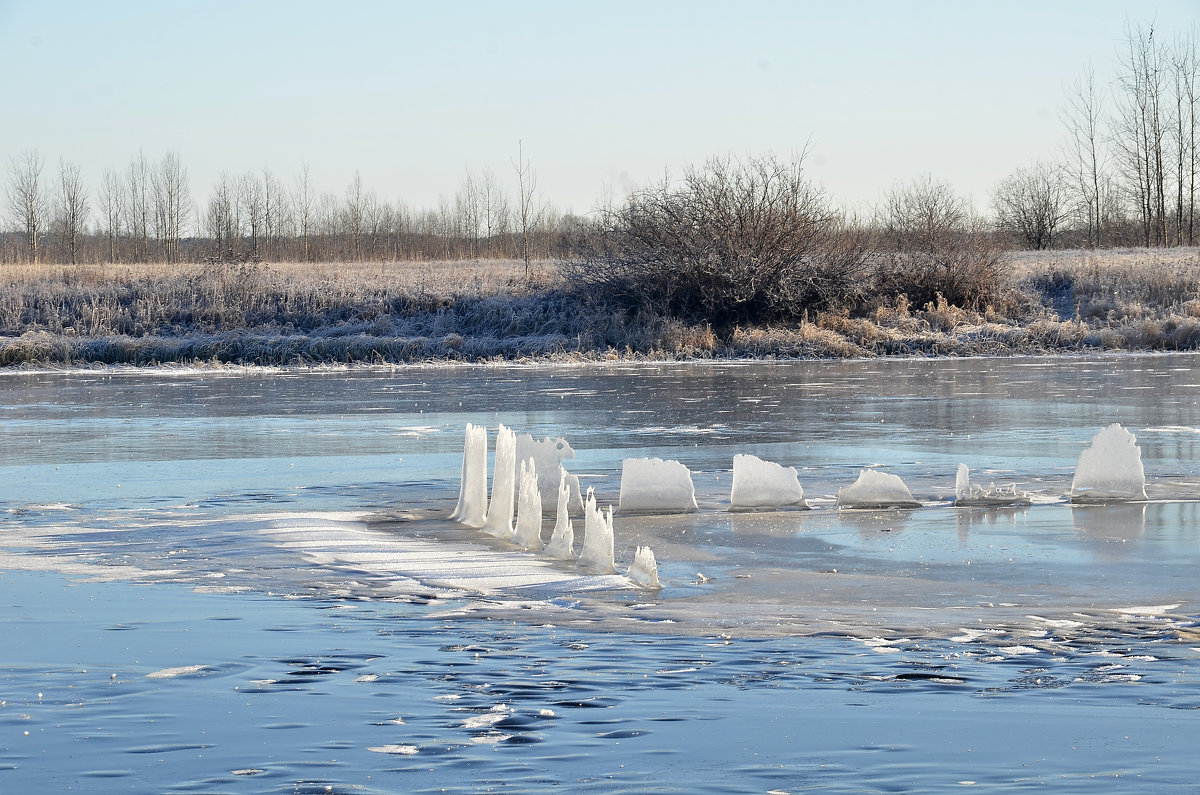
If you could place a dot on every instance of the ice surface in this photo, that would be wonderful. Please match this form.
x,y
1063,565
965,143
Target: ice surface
x,y
548,455
500,510
1110,470
652,485
562,539
968,494
875,489
472,492
597,552
763,484
644,569
529,509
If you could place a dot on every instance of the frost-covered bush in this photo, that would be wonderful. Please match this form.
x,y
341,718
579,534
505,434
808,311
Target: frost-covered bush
x,y
731,242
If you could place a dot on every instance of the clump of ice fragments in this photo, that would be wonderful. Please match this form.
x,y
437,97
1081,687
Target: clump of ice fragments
x,y
652,485
528,533
472,492
562,538
499,519
967,494
597,552
761,484
548,455
643,572
1110,470
876,490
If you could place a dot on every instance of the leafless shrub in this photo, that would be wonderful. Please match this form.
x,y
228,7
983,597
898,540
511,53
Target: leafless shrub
x,y
934,246
732,242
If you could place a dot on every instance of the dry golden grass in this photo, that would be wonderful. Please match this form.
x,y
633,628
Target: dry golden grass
x,y
483,310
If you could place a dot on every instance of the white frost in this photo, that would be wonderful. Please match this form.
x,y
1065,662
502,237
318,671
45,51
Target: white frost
x,y
1110,470
763,484
652,485
472,492
876,490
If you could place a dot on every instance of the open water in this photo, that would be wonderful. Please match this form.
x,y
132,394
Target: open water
x,y
245,581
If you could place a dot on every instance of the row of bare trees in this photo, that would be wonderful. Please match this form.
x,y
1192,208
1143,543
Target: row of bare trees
x,y
146,213
1128,172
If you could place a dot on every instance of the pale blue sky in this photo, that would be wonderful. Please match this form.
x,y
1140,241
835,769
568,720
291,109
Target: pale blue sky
x,y
413,94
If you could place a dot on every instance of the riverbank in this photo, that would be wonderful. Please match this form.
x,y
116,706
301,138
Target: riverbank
x,y
477,311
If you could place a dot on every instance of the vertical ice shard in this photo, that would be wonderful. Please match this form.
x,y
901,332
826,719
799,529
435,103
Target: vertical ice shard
x,y
562,539
652,485
472,492
1110,470
548,455
529,509
644,570
876,490
597,552
962,483
763,484
499,519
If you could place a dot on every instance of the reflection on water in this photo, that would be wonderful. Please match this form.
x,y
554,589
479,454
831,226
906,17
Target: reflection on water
x,y
1120,522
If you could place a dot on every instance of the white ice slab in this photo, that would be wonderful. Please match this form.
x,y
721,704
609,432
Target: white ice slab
x,y
1110,470
548,455
652,485
875,489
759,484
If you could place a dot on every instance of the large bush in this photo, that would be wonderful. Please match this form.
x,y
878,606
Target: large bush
x,y
731,242
933,246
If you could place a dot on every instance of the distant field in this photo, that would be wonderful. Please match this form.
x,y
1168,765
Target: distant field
x,y
293,313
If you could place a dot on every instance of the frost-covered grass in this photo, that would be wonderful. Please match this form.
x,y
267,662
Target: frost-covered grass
x,y
483,310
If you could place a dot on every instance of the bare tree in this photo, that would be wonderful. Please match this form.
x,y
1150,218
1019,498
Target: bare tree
x,y
302,201
526,191
172,205
1030,204
27,200
1086,157
110,207
353,216
271,211
223,217
250,194
71,208
1185,84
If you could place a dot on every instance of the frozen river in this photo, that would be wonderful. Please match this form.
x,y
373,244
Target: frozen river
x,y
247,581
